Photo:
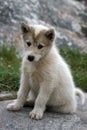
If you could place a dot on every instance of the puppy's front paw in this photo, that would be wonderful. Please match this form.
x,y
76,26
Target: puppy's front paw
x,y
13,107
36,114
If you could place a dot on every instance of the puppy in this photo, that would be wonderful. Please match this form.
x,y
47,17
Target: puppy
x,y
45,76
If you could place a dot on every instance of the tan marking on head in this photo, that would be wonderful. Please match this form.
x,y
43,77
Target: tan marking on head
x,y
41,37
37,34
39,28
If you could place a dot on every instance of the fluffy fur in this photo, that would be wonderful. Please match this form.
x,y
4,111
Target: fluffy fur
x,y
45,76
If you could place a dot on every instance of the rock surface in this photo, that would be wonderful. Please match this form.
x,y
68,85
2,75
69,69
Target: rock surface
x,y
7,96
69,17
51,121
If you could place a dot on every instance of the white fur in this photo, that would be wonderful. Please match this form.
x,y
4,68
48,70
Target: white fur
x,y
80,94
49,82
39,28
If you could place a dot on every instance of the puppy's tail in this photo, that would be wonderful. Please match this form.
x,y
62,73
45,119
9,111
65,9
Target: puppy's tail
x,y
80,93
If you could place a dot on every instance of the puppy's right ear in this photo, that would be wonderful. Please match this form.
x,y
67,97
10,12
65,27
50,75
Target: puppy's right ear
x,y
25,28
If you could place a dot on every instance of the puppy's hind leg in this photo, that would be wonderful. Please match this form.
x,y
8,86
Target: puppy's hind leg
x,y
69,107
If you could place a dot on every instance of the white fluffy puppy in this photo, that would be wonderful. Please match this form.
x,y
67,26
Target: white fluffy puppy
x,y
45,76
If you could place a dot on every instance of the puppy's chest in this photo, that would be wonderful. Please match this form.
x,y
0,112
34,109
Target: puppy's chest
x,y
35,77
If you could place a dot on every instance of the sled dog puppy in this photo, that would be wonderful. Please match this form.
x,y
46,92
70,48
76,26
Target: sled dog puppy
x,y
45,76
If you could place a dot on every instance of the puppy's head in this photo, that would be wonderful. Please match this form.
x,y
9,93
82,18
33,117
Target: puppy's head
x,y
38,41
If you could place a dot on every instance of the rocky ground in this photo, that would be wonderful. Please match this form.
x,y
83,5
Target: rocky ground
x,y
69,17
51,121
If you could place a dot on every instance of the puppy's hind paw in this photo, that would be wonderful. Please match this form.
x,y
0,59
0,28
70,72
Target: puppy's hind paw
x,y
13,107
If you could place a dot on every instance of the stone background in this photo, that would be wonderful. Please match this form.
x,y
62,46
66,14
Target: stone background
x,y
51,121
69,17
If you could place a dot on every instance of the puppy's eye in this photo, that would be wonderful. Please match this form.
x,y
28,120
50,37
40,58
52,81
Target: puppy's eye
x,y
40,46
29,43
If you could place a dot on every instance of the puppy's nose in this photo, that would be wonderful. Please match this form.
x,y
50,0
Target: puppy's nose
x,y
30,58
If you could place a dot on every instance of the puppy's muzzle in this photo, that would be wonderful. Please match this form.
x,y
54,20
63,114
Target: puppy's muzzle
x,y
31,58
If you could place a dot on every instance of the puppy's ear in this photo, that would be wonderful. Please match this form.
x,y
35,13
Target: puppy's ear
x,y
25,28
50,34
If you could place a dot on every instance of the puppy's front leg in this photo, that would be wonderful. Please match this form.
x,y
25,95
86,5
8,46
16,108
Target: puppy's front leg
x,y
22,93
46,89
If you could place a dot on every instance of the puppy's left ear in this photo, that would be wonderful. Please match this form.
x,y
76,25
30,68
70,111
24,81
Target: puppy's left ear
x,y
50,34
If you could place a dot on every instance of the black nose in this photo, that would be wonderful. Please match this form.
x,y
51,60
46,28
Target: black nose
x,y
31,58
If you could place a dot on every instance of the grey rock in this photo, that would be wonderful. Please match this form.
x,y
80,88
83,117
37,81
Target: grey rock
x,y
67,16
51,121
84,30
7,96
